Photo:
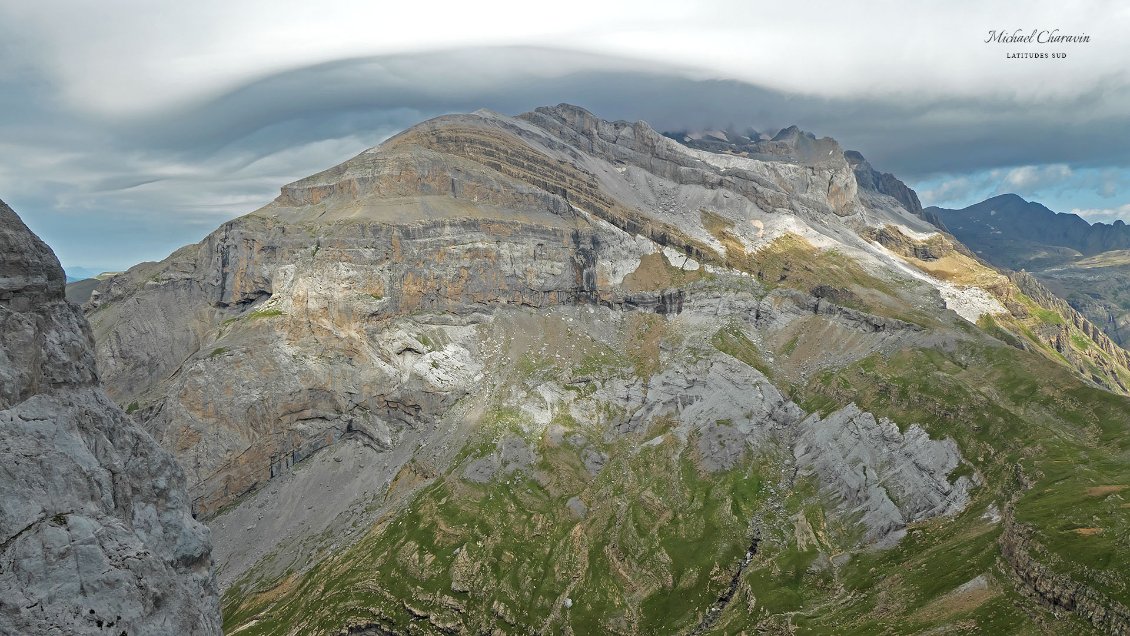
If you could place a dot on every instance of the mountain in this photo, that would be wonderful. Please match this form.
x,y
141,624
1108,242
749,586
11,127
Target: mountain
x,y
79,291
551,373
1087,265
1025,235
96,536
792,141
75,274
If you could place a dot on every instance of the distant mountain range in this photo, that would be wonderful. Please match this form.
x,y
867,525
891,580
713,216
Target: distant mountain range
x,y
75,274
1087,264
1021,233
79,289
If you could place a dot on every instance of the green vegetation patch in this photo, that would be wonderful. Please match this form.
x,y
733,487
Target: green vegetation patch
x,y
265,313
653,550
733,341
1011,410
654,273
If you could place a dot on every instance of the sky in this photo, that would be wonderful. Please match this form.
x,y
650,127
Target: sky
x,y
129,128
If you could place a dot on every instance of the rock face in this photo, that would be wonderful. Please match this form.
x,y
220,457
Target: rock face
x,y
1055,589
1032,287
890,185
95,531
795,145
456,216
889,477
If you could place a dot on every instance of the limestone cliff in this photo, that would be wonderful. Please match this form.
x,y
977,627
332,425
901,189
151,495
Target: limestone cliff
x,y
95,531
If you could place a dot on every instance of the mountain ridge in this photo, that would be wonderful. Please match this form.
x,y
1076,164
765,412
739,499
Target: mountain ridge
x,y
794,143
1031,221
499,372
1080,262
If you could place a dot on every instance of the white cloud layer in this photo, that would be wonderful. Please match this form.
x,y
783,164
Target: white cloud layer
x,y
123,57
1034,177
1104,215
1057,185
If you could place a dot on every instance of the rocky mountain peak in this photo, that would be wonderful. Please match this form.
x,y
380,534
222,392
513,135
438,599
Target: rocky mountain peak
x,y
559,343
575,117
32,287
890,185
790,144
1017,219
31,274
791,134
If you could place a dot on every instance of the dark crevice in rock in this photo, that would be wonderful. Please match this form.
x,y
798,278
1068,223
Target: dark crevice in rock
x,y
12,539
727,595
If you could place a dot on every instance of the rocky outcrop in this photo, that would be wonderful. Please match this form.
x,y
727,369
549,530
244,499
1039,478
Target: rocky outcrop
x,y
316,313
1031,287
95,531
887,477
892,238
825,180
1054,589
890,185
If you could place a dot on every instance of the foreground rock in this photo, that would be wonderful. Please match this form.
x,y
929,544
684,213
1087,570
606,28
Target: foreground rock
x,y
95,531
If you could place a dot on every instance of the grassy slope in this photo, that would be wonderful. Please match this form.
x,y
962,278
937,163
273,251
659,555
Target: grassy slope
x,y
661,538
654,550
1007,408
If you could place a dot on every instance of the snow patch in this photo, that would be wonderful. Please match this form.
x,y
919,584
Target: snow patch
x,y
968,302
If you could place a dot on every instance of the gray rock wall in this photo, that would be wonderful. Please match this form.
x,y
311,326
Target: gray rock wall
x,y
95,531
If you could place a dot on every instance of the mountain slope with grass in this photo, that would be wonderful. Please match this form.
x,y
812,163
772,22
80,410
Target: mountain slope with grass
x,y
1088,265
550,373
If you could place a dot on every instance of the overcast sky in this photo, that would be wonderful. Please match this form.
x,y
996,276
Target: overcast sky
x,y
128,128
